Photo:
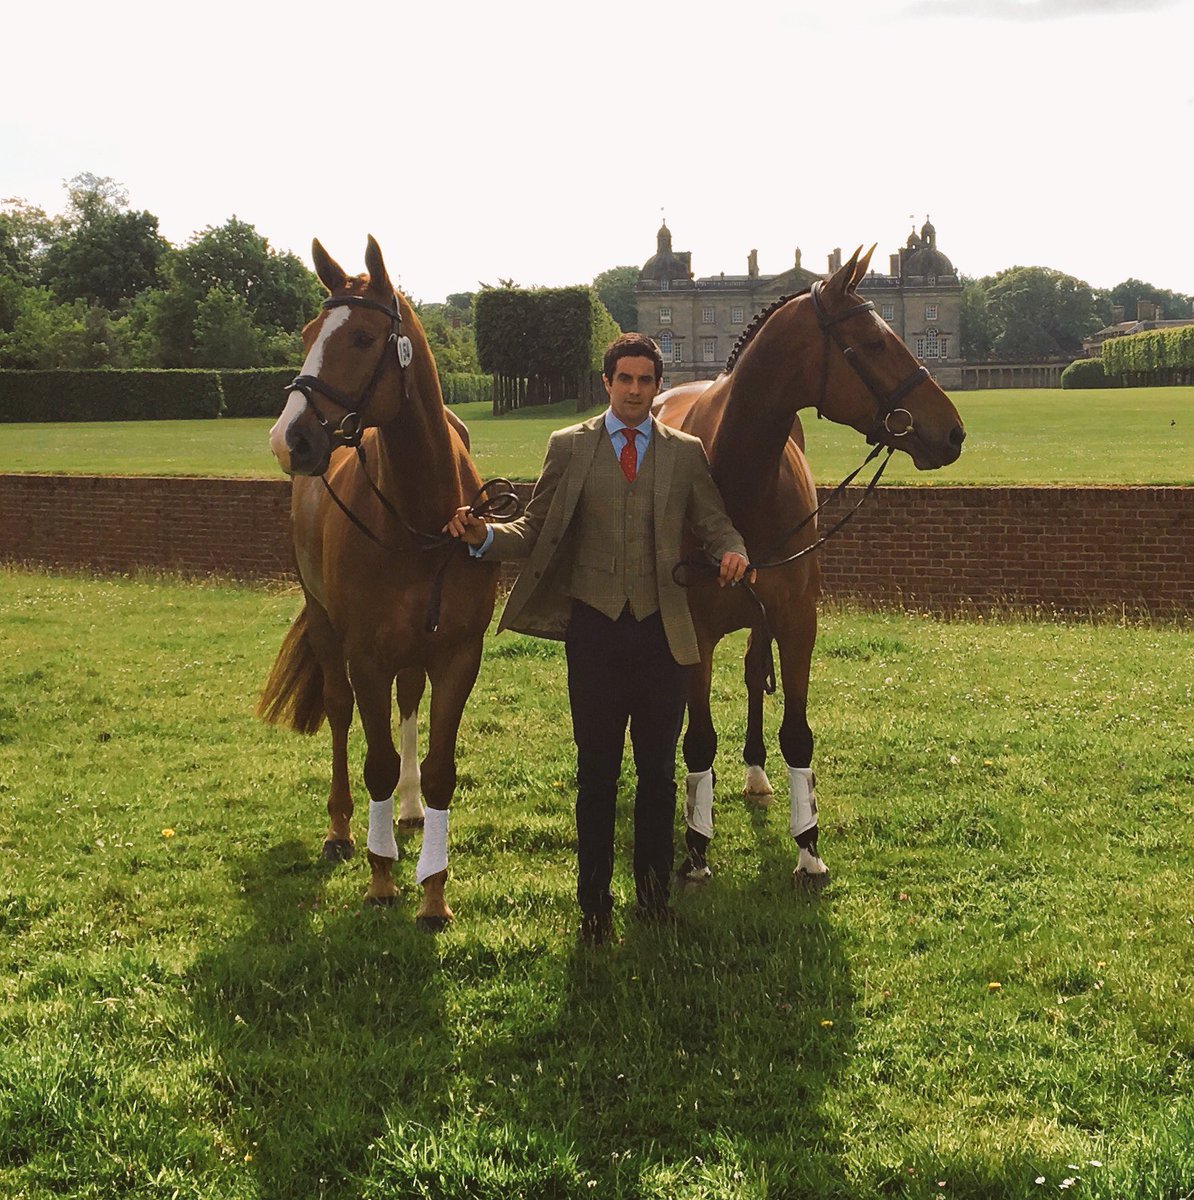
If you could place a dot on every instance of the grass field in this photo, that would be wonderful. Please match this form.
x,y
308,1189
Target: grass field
x,y
996,989
1130,436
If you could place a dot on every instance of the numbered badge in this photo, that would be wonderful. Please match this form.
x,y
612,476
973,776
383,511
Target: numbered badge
x,y
406,351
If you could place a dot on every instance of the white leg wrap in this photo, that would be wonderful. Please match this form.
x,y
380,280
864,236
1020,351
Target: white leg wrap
x,y
698,801
381,829
433,857
410,807
804,800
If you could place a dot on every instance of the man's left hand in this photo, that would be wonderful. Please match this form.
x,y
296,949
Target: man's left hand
x,y
733,568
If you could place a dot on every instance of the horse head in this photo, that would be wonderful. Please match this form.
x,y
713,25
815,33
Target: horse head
x,y
871,381
360,350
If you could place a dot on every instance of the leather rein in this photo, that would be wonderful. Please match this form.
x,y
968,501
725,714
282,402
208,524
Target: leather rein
x,y
496,499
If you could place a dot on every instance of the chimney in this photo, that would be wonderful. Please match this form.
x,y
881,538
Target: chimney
x,y
798,258
895,266
1117,314
752,264
835,260
1147,310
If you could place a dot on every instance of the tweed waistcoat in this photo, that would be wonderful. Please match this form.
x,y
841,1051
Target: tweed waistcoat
x,y
613,562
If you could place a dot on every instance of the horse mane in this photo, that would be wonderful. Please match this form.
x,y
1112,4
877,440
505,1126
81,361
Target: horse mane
x,y
757,322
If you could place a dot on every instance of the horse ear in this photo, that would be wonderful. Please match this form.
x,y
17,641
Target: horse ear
x,y
863,266
843,278
330,273
379,280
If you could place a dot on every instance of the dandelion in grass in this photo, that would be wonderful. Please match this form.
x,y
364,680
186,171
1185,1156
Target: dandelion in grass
x,y
167,833
1039,1179
994,986
1068,1182
826,1024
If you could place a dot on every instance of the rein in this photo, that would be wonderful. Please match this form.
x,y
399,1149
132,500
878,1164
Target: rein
x,y
500,504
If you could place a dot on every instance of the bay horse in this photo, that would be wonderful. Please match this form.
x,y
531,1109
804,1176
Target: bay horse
x,y
828,349
379,464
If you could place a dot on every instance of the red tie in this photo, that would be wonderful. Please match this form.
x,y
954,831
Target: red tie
x,y
629,458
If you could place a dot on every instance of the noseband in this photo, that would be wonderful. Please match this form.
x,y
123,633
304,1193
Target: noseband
x,y
352,424
887,403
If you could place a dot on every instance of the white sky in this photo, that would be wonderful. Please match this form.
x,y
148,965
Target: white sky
x,y
542,141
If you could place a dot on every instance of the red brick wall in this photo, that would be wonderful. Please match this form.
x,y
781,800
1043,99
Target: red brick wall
x,y
937,548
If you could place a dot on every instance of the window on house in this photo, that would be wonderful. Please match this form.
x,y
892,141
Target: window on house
x,y
707,316
887,312
931,344
709,349
663,285
677,353
736,315
665,383
920,347
665,342
930,312
943,347
665,316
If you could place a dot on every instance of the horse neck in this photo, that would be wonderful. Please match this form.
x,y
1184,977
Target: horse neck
x,y
773,379
418,469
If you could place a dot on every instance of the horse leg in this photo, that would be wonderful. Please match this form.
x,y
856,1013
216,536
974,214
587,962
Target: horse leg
x,y
382,767
758,669
700,748
796,743
451,682
338,843
411,683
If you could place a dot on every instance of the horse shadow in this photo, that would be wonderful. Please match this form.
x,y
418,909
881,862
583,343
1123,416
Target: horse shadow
x,y
295,1009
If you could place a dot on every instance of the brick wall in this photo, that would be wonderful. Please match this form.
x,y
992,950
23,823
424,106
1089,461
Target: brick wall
x,y
936,548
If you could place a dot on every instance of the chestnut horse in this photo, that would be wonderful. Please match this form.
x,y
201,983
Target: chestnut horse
x,y
826,348
389,603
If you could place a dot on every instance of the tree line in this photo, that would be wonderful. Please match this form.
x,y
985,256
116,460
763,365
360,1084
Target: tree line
x,y
99,286
1033,314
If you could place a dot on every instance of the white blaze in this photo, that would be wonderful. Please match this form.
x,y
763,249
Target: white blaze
x,y
296,401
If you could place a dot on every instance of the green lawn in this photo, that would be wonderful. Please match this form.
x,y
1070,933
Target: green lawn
x,y
1129,436
996,989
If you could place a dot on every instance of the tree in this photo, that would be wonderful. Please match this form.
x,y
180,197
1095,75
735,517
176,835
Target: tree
x,y
225,335
277,288
1040,313
1173,304
27,233
977,331
615,289
107,258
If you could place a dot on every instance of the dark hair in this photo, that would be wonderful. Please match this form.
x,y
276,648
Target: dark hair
x,y
632,345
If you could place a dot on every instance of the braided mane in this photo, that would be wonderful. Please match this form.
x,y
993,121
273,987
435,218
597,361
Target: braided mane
x,y
748,334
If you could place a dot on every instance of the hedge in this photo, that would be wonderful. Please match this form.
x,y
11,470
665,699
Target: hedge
x,y
100,395
257,393
465,387
1084,373
1157,356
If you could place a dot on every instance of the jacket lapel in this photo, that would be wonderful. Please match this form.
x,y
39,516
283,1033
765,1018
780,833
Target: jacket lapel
x,y
588,438
665,463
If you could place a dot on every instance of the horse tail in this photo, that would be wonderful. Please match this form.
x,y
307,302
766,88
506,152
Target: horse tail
x,y
293,693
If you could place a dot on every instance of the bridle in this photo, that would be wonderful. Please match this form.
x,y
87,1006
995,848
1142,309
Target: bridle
x,y
351,426
888,404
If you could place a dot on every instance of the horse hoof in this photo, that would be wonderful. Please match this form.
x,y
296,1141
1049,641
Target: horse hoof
x,y
432,924
409,824
690,875
380,901
807,881
759,799
337,850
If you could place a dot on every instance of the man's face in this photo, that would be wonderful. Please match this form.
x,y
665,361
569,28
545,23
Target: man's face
x,y
632,389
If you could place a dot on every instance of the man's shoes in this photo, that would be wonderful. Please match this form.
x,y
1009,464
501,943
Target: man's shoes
x,y
656,916
596,929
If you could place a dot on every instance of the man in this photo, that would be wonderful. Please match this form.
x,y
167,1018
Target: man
x,y
602,533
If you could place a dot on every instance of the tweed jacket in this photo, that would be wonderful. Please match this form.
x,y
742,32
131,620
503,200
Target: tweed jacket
x,y
684,495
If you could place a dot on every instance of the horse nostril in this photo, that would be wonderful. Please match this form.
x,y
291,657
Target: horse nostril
x,y
957,435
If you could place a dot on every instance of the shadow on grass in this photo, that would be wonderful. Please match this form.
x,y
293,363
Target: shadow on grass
x,y
319,1021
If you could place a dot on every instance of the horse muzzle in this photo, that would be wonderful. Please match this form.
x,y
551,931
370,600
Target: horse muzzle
x,y
927,452
300,442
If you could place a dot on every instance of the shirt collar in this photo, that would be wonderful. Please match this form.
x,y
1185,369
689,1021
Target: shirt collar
x,y
614,425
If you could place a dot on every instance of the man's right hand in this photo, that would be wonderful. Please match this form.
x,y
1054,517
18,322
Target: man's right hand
x,y
468,528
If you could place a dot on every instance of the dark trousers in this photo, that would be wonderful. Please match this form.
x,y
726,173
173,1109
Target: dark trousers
x,y
623,671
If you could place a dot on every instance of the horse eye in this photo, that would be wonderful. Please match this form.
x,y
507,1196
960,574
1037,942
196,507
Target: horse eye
x,y
363,340
874,346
